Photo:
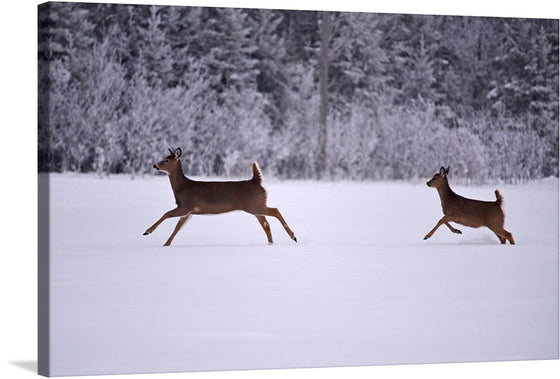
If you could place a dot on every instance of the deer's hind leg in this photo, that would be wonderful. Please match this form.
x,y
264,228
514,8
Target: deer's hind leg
x,y
504,235
274,212
502,239
457,231
266,227
507,235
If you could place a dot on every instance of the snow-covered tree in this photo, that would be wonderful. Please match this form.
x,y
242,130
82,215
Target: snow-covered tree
x,y
155,59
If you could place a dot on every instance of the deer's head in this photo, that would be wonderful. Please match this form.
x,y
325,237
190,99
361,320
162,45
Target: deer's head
x,y
439,178
171,162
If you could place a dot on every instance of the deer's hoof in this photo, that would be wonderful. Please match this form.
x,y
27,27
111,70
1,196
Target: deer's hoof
x,y
425,238
295,239
459,232
145,233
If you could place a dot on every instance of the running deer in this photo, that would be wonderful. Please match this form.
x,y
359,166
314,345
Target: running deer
x,y
197,198
468,212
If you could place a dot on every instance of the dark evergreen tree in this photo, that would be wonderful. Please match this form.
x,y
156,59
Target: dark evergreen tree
x,y
227,49
357,61
270,55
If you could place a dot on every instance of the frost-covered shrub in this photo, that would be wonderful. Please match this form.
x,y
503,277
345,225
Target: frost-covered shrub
x,y
413,143
218,135
233,134
294,146
517,155
516,149
87,117
351,139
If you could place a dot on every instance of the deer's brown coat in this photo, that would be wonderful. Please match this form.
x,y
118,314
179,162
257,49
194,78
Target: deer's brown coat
x,y
198,197
468,212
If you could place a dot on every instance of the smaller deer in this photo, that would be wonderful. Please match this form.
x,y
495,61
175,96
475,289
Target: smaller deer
x,y
468,212
196,197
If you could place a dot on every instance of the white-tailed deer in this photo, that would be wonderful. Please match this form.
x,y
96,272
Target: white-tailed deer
x,y
468,212
196,198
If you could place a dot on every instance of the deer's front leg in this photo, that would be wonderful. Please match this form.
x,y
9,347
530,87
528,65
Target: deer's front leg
x,y
178,227
172,213
440,223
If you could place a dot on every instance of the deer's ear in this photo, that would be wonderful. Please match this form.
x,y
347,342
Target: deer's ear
x,y
447,170
178,152
442,171
170,151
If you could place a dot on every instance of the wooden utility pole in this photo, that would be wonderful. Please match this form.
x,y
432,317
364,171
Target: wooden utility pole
x,y
322,157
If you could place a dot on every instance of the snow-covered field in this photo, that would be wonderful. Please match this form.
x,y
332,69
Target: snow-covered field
x,y
361,286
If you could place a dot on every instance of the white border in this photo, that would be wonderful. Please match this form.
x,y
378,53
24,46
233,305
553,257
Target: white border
x,y
18,204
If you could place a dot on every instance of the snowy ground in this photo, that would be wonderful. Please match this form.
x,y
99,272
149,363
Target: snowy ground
x,y
360,287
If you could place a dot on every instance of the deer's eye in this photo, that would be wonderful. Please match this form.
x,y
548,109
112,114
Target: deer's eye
x,y
167,161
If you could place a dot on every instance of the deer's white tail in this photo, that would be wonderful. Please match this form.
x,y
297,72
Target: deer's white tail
x,y
499,197
257,174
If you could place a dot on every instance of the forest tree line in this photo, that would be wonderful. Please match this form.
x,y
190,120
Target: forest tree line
x,y
119,84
